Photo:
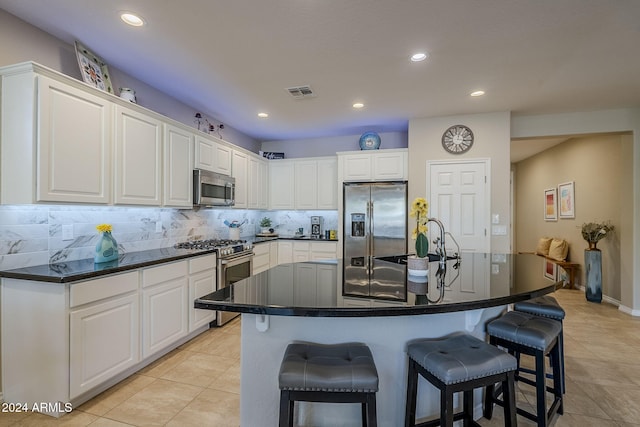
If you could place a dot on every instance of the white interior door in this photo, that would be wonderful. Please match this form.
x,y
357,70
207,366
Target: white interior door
x,y
459,197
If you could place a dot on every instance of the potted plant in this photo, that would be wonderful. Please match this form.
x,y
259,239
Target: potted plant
x,y
593,232
265,225
418,265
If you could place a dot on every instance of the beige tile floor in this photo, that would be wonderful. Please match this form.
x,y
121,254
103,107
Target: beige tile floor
x,y
198,383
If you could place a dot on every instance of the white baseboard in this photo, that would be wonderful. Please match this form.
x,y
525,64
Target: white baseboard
x,y
622,308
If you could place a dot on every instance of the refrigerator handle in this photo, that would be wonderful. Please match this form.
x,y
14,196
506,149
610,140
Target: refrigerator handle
x,y
368,240
371,230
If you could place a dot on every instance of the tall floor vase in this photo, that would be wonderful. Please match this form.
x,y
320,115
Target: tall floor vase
x,y
593,267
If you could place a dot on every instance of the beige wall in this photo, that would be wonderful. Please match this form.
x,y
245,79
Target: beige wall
x,y
491,141
598,168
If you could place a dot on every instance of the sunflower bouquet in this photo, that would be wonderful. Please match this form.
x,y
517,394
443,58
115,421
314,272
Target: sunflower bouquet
x,y
419,209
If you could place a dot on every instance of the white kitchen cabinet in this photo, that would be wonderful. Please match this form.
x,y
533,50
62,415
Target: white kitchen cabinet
x,y
379,165
305,284
323,250
212,155
306,184
281,184
240,171
327,185
273,254
104,330
285,251
258,189
326,276
165,309
262,257
178,167
52,133
202,281
301,251
283,275
138,161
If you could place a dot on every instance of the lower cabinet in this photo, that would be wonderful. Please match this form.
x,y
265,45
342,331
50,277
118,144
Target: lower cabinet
x,y
262,257
104,341
202,281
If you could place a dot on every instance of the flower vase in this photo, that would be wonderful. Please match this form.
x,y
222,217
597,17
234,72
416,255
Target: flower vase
x,y
593,273
417,266
106,249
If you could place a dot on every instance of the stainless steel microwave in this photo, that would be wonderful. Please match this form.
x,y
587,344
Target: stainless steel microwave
x,y
213,189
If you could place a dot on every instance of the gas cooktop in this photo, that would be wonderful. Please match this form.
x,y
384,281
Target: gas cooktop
x,y
223,247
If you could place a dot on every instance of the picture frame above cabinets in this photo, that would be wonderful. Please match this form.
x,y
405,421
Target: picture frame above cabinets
x,y
93,69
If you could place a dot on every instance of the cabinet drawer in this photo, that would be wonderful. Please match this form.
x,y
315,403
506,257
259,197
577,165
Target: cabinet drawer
x,y
202,263
324,247
106,287
164,273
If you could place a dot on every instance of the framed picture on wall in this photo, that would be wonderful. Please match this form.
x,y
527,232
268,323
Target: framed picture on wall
x,y
550,204
550,270
566,198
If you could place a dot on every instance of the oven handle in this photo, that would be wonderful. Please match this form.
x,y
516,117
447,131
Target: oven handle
x,y
235,261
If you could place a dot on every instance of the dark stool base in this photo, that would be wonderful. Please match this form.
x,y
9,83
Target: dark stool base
x,y
447,417
289,397
542,416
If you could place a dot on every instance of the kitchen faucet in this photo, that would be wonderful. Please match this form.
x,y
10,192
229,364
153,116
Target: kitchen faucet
x,y
440,246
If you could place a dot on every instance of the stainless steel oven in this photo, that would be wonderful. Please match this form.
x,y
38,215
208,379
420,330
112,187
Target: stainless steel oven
x,y
230,270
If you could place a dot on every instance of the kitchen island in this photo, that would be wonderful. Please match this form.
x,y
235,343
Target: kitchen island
x,y
307,302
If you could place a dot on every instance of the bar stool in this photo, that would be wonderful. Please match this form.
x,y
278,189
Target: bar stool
x,y
457,363
338,373
535,336
545,306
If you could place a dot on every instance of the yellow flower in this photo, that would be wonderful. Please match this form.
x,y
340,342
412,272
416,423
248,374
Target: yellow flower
x,y
104,228
419,209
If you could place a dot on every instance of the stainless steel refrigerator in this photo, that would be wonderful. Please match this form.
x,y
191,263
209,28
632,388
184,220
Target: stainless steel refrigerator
x,y
375,225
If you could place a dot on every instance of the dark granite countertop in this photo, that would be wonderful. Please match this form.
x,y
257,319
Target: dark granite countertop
x,y
474,281
84,269
262,239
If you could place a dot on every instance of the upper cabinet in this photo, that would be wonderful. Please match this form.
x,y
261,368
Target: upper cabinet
x,y
178,166
378,165
240,171
138,163
257,183
51,134
212,155
309,183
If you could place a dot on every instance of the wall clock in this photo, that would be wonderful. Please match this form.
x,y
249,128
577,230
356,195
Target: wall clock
x,y
457,139
369,141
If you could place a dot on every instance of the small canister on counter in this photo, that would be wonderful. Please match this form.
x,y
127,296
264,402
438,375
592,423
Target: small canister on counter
x,y
327,234
332,234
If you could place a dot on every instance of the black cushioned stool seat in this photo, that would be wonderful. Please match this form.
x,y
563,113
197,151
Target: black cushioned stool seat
x,y
457,363
536,336
545,306
340,373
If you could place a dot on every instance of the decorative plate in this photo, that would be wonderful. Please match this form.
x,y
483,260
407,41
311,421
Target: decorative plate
x,y
369,141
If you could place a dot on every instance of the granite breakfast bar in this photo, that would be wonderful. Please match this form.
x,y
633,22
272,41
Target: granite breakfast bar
x,y
307,302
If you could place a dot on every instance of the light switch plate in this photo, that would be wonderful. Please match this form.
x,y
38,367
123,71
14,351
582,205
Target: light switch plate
x,y
67,232
499,230
495,269
158,227
495,219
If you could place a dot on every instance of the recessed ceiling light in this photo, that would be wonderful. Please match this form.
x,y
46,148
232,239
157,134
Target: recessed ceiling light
x,y
420,56
358,105
132,19
263,115
477,93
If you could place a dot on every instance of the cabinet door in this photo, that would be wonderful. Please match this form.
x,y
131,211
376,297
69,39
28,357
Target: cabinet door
x,y
222,158
357,167
305,283
323,251
253,182
240,169
261,260
273,254
301,251
138,158
201,284
263,185
74,144
204,153
389,166
164,315
327,285
104,341
285,252
306,184
328,184
281,186
178,167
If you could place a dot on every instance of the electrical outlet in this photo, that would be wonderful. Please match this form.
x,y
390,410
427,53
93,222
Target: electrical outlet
x,y
495,269
67,232
158,227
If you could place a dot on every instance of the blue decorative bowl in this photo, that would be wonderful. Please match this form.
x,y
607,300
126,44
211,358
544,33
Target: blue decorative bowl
x,y
369,141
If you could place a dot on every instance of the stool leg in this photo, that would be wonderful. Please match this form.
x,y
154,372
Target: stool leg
x,y
467,402
446,407
371,419
509,395
541,403
286,409
412,390
488,401
558,382
561,345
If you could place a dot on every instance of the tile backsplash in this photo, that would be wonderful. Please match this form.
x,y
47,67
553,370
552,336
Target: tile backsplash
x,y
33,234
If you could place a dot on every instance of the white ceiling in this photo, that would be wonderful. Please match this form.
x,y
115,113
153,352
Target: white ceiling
x,y
233,59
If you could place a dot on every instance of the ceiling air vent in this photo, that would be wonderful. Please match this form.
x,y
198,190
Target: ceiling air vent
x,y
301,92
